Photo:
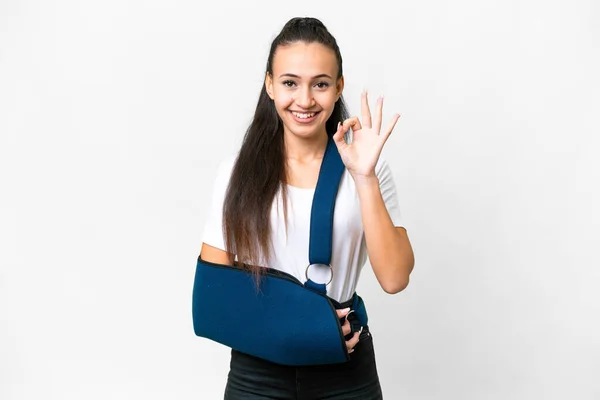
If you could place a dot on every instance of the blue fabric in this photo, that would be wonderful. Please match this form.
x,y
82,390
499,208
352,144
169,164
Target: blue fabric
x,y
319,287
321,217
358,305
286,322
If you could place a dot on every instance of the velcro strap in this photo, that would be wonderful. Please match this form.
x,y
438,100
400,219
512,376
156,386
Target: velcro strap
x,y
358,305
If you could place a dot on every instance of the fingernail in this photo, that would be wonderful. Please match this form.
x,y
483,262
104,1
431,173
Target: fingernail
x,y
346,310
351,351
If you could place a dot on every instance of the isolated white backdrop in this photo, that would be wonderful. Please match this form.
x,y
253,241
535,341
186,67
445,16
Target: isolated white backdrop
x,y
114,115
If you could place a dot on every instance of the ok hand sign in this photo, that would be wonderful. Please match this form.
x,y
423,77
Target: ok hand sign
x,y
361,155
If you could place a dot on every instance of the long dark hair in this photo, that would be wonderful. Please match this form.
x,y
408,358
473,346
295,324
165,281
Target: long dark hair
x,y
259,171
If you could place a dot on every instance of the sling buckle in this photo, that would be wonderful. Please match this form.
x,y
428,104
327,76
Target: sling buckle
x,y
326,265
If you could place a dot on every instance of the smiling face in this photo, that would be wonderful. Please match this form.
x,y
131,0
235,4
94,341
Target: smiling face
x,y
304,87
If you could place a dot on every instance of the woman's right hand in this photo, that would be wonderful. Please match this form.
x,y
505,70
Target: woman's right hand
x,y
350,343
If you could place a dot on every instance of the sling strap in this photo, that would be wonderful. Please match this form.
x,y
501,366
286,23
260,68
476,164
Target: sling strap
x,y
322,211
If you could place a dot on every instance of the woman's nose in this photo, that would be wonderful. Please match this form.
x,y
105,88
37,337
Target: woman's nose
x,y
305,98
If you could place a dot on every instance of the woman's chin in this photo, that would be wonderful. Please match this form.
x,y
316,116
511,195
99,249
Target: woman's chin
x,y
306,132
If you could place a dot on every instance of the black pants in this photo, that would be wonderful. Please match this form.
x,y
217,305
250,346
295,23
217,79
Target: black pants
x,y
252,378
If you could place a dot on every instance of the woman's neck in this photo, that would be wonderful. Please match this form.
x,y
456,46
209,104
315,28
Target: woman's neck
x,y
304,149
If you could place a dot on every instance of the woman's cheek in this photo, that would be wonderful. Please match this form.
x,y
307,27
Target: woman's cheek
x,y
285,101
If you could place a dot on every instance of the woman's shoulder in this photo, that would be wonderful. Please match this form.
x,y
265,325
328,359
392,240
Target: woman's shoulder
x,y
221,175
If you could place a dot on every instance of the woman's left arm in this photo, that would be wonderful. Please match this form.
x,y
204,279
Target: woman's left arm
x,y
388,247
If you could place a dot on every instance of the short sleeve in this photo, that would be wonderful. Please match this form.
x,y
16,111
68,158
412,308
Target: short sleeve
x,y
213,227
388,191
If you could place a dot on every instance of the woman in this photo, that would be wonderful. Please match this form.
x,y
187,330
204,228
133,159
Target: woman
x,y
262,202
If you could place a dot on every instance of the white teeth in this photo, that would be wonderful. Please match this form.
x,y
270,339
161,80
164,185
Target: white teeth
x,y
303,115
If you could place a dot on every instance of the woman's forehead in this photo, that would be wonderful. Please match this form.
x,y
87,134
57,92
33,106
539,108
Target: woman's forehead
x,y
305,60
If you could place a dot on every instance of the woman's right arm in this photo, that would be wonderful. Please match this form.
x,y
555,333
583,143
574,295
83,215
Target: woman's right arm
x,y
213,230
215,255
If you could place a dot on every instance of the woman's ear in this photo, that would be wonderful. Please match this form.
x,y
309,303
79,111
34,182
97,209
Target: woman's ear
x,y
339,86
269,85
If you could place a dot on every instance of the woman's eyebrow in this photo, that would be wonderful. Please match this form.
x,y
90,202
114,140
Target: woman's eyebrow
x,y
314,77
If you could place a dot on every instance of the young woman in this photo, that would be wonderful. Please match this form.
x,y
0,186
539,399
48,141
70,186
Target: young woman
x,y
262,202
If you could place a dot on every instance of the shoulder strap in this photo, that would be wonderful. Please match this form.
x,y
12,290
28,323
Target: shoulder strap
x,y
321,217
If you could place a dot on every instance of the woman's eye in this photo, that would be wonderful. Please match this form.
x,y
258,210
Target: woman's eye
x,y
320,85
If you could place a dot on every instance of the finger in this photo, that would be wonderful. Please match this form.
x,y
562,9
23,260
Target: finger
x,y
378,115
342,312
353,123
366,112
352,342
346,328
338,138
390,127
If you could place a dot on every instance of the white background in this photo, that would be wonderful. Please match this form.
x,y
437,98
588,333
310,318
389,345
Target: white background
x,y
114,115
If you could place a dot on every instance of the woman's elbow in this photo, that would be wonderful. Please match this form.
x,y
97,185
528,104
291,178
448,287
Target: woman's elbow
x,y
396,287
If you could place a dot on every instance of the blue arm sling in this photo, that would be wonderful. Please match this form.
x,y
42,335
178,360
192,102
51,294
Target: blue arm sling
x,y
286,322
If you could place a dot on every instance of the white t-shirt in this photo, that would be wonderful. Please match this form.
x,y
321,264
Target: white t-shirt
x,y
290,254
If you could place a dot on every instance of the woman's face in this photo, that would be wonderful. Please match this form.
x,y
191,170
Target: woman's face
x,y
304,87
